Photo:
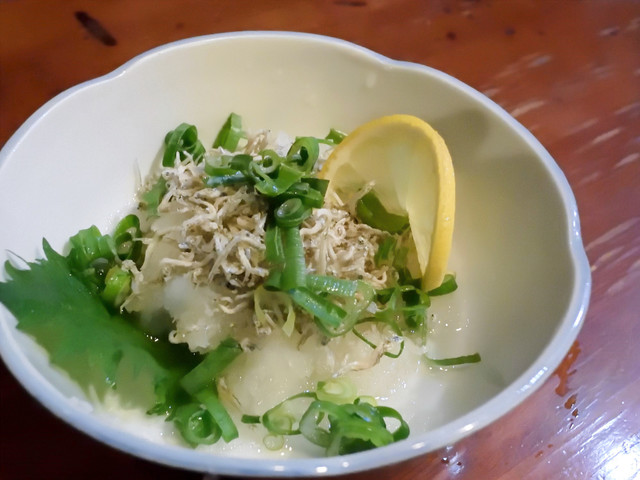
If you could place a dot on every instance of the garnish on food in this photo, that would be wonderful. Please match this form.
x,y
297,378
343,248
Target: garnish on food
x,y
242,252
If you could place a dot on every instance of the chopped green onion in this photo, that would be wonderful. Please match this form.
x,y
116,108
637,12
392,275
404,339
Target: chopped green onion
x,y
400,257
416,302
210,400
218,165
370,210
184,139
273,300
279,422
230,133
127,238
337,390
196,424
335,136
334,319
328,315
334,285
265,168
403,430
305,152
117,286
405,302
352,427
273,281
400,264
272,187
294,271
227,170
388,316
309,423
367,398
385,295
414,296
448,285
274,249
215,172
271,161
282,419
250,419
90,245
415,316
129,224
273,442
365,294
319,184
384,254
450,362
241,162
232,178
309,196
214,362
365,426
290,322
374,346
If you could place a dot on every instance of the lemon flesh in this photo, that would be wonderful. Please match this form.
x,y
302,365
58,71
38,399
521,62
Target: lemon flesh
x,y
407,164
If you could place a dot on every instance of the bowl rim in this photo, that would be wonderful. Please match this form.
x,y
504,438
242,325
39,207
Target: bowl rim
x,y
512,395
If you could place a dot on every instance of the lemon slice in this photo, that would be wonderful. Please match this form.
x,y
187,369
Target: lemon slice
x,y
408,166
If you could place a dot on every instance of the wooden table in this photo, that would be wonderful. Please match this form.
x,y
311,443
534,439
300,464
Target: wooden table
x,y
568,70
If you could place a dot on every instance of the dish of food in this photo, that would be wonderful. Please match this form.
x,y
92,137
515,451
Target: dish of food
x,y
516,228
255,262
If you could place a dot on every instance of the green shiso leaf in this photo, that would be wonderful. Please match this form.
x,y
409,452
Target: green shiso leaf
x,y
98,350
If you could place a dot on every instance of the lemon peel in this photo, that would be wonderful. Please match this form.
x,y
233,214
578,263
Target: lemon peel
x,y
407,163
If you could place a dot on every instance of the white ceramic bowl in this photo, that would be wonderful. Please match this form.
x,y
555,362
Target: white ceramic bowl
x,y
524,276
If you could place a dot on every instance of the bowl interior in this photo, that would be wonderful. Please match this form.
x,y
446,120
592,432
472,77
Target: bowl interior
x,y
76,161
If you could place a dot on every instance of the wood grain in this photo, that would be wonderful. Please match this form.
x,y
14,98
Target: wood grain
x,y
568,70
